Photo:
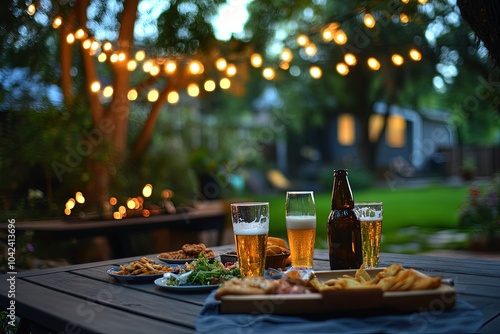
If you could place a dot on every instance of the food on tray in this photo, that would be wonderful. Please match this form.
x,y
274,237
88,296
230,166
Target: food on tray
x,y
144,266
392,278
203,272
188,251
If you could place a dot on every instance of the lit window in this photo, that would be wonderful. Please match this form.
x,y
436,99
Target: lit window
x,y
346,130
396,131
376,124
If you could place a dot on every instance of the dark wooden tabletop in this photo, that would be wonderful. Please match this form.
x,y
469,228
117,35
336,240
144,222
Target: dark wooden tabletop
x,y
85,299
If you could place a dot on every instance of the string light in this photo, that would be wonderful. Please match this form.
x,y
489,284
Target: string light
x,y
193,90
80,34
311,49
225,83
404,18
102,57
57,22
196,67
140,55
221,64
170,67
350,59
284,65
286,55
302,40
231,70
342,69
340,37
415,55
373,63
131,65
397,59
268,73
107,91
132,95
31,9
315,72
107,46
95,86
209,85
173,97
369,21
70,39
256,60
153,95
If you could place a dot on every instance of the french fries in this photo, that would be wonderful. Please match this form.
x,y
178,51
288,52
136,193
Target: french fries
x,y
144,266
392,278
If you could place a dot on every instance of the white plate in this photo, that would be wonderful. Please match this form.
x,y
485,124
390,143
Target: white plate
x,y
184,288
135,278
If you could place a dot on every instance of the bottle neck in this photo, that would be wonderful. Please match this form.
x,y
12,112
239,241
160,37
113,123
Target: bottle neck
x,y
341,192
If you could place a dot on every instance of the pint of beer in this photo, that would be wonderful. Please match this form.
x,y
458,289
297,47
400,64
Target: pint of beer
x,y
300,218
370,215
251,227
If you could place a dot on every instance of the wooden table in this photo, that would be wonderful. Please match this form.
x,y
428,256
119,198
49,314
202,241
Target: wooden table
x,y
84,299
120,232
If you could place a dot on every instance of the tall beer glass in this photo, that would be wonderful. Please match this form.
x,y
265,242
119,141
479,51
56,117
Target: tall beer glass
x,y
370,215
300,215
250,227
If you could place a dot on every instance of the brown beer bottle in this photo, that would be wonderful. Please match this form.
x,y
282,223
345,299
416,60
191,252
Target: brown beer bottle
x,y
344,227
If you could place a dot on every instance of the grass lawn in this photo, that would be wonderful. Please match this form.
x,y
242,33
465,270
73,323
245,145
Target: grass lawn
x,y
430,208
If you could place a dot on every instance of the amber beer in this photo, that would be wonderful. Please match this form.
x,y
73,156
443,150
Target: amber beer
x,y
370,215
301,231
251,246
344,227
371,231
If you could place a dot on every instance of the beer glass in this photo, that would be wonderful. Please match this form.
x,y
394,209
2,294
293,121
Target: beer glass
x,y
250,227
300,215
370,215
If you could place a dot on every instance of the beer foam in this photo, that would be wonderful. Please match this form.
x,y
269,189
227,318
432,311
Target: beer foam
x,y
250,228
300,222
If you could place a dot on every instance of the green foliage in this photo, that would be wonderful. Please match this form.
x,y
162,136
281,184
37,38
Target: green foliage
x,y
481,209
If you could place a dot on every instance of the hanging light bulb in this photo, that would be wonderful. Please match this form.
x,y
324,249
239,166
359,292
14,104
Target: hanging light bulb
x,y
329,31
350,59
340,37
397,59
315,72
193,90
373,63
170,66
95,86
311,49
225,83
147,66
31,9
153,95
196,67
140,55
57,22
302,40
107,46
132,95
131,65
342,69
102,57
221,64
286,55
173,97
284,65
268,73
256,60
80,34
369,21
70,39
404,18
415,55
209,85
107,91
231,70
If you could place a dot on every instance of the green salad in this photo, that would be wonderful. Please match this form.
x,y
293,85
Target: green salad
x,y
205,273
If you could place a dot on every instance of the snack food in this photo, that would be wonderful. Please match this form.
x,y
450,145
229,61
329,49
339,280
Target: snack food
x,y
277,246
392,278
188,251
142,267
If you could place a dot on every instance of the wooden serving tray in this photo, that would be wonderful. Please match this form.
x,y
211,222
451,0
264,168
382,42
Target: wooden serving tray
x,y
330,301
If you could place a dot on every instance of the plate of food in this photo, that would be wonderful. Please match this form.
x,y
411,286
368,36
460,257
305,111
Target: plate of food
x,y
142,270
188,253
200,275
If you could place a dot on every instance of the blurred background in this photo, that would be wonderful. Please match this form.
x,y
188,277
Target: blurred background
x,y
137,108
